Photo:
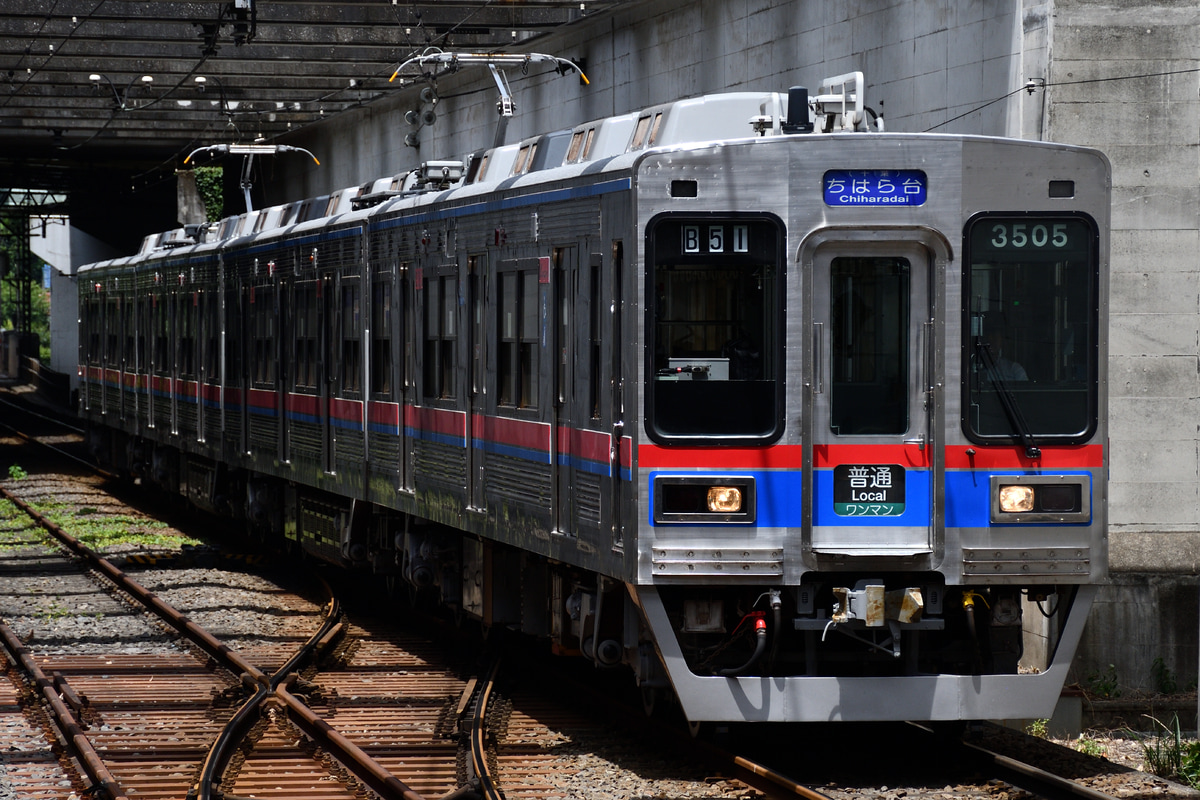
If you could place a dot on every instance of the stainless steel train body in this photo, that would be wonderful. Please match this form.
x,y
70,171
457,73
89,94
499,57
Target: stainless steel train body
x,y
801,426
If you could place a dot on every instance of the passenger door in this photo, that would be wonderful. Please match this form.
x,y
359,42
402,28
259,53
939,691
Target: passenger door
x,y
870,465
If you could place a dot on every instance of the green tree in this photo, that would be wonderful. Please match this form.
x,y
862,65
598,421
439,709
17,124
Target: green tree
x,y
39,322
39,305
210,183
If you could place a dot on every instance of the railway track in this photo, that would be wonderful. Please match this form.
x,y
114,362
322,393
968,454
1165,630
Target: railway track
x,y
140,713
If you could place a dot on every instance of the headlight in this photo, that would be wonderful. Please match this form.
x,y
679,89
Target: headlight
x,y
1040,499
704,499
724,499
1015,499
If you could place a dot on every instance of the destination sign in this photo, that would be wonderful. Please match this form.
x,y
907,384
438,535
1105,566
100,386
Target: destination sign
x,y
874,187
868,490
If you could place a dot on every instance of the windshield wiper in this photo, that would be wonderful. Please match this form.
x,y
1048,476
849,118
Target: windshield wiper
x,y
1009,403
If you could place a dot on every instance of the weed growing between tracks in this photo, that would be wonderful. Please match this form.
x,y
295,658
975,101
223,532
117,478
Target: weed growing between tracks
x,y
104,531
15,527
97,529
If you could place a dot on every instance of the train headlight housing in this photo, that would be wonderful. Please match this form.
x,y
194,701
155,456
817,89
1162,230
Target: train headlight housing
x,y
1041,499
1014,499
724,499
704,499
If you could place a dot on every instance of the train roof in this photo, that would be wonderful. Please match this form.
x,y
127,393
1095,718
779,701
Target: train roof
x,y
592,143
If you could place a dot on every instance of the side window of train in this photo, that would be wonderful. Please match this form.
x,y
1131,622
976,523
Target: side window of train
x,y
1031,331
517,368
232,318
206,336
144,309
129,324
382,316
262,333
162,335
112,322
715,332
185,334
306,335
95,303
351,336
595,326
437,289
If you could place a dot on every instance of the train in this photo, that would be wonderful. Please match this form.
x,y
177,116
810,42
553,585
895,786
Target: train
x,y
792,418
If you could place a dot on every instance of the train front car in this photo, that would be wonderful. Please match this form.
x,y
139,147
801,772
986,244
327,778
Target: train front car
x,y
874,438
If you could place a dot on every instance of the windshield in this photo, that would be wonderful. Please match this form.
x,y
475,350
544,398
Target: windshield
x,y
715,340
1031,330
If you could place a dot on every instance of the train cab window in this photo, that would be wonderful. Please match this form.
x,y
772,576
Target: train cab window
x,y
868,340
715,329
1030,328
517,372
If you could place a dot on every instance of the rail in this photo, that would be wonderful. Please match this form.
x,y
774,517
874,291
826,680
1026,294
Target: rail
x,y
352,757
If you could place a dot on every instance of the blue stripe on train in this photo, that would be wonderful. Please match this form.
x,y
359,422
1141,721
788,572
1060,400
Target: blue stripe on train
x,y
968,497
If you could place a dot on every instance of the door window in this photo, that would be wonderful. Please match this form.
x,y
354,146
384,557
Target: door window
x,y
869,345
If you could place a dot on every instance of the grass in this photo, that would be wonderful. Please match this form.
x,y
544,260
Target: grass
x,y
17,531
102,531
1037,728
1169,756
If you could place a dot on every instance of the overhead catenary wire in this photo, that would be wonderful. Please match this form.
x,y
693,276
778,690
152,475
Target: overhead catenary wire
x,y
1043,85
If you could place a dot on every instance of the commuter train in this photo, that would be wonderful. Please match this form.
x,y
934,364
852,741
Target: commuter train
x,y
796,419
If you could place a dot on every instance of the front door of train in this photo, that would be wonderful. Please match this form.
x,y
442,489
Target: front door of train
x,y
870,466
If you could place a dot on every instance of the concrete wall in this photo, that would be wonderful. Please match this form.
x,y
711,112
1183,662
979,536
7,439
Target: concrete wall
x,y
77,248
1124,79
952,67
927,65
